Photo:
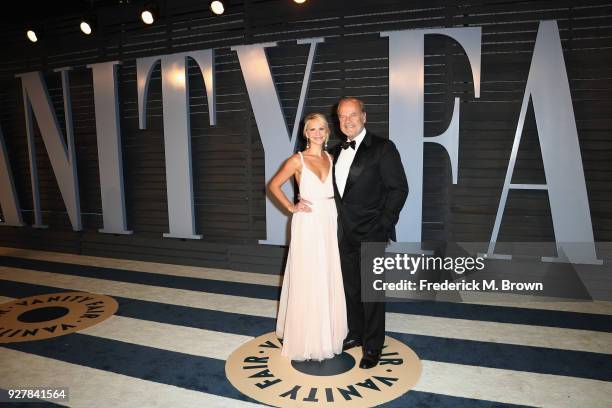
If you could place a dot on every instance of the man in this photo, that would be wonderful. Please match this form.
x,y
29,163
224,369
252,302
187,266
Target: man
x,y
370,188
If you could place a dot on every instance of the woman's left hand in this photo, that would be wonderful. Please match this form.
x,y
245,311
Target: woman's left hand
x,y
303,205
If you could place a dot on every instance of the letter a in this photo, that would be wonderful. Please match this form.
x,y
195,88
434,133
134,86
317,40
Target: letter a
x,y
548,89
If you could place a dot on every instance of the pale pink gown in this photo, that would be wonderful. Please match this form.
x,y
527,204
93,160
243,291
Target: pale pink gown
x,y
312,311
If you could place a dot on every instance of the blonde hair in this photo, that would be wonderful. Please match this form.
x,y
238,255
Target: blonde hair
x,y
312,116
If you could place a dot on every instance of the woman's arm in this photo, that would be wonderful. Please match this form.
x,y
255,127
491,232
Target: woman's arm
x,y
291,167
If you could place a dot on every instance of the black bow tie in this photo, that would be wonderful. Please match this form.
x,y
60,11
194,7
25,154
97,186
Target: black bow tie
x,y
346,144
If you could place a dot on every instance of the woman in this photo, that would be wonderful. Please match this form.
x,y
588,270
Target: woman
x,y
312,312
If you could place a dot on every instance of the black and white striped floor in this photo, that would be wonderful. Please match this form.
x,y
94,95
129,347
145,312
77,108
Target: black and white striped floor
x,y
167,344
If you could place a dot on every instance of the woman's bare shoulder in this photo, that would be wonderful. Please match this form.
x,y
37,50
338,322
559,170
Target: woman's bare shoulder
x,y
294,161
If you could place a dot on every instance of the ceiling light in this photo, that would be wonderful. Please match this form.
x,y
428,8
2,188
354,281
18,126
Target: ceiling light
x,y
87,26
147,17
217,7
31,34
149,13
300,1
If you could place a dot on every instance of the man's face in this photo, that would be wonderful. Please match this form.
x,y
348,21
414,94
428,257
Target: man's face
x,y
351,117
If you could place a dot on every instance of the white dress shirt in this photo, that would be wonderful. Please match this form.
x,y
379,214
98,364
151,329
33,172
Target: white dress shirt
x,y
345,159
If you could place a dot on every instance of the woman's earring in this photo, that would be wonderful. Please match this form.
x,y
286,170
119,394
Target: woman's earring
x,y
307,143
325,144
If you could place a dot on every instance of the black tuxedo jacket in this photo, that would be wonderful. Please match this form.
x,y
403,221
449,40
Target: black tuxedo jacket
x,y
375,192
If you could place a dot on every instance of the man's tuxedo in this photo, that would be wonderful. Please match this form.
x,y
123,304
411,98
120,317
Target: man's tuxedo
x,y
369,208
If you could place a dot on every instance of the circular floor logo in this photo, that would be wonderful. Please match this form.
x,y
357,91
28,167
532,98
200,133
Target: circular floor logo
x,y
44,316
258,370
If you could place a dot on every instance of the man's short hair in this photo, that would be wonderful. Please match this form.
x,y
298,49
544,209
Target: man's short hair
x,y
352,99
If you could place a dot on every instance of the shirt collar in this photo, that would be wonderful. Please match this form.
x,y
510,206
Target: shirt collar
x,y
359,138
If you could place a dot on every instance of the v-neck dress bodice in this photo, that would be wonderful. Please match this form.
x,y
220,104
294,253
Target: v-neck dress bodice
x,y
311,186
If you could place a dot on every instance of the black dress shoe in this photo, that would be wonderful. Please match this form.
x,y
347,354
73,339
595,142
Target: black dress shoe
x,y
370,359
350,343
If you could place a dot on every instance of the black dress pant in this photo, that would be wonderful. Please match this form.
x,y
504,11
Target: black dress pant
x,y
366,320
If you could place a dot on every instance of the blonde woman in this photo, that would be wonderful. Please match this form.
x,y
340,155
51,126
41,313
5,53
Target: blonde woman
x,y
312,311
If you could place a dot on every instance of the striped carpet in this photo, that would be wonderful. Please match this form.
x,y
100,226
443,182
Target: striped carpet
x,y
176,325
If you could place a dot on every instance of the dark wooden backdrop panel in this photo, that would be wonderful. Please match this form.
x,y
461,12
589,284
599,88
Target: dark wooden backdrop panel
x,y
228,159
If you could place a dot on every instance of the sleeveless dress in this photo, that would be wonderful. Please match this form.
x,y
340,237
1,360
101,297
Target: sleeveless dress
x,y
312,310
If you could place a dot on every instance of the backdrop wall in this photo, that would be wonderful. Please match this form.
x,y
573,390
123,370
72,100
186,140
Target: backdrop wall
x,y
228,159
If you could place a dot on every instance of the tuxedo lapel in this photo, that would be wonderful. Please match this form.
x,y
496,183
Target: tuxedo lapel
x,y
336,152
358,164
333,170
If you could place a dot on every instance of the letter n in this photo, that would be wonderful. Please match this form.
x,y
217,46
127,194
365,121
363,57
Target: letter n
x,y
37,103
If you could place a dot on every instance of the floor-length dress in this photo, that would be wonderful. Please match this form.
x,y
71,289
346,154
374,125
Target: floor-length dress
x,y
312,311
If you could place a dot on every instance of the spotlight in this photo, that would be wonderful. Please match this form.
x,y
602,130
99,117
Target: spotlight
x,y
149,13
31,34
218,6
87,26
300,1
147,17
